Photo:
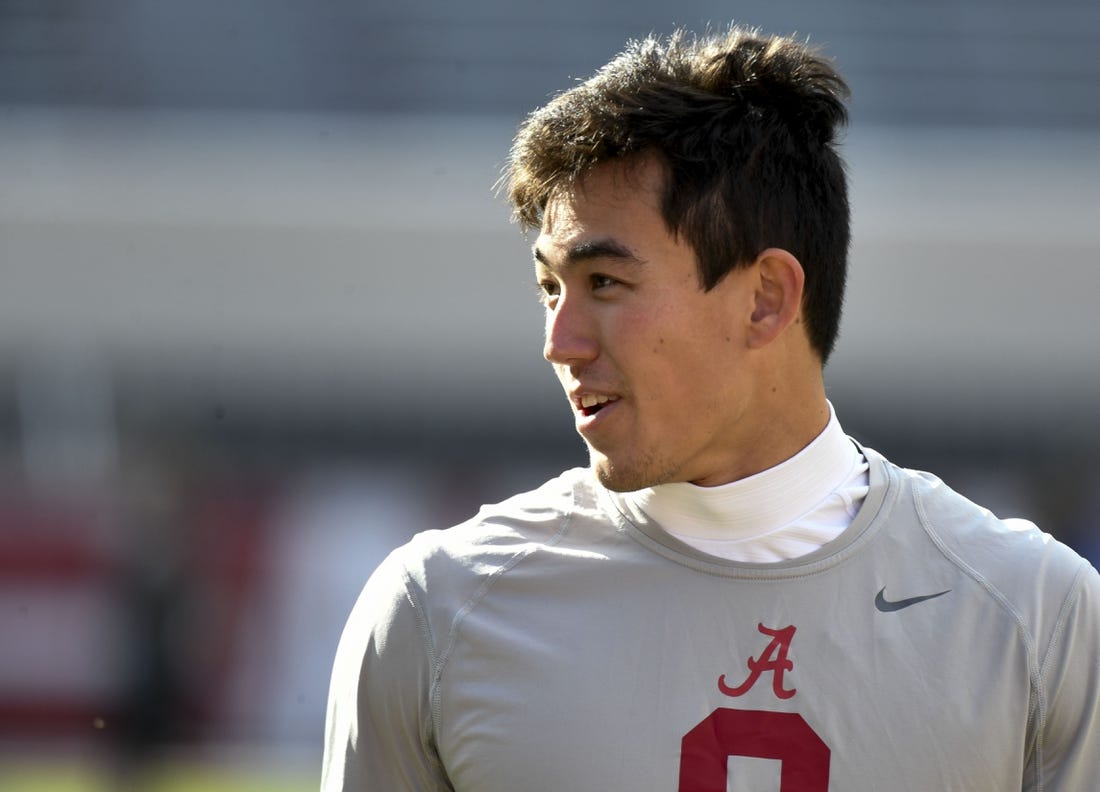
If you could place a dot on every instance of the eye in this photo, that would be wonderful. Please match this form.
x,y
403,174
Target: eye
x,y
602,281
547,290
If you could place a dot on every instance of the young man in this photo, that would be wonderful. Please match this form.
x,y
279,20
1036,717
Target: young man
x,y
734,595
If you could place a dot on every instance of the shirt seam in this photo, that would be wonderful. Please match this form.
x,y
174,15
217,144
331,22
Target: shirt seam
x,y
1070,600
440,663
429,730
1037,710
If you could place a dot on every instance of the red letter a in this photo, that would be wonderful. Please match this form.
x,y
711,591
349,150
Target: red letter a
x,y
773,658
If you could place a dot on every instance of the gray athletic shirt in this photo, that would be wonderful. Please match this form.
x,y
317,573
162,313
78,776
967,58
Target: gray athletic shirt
x,y
551,644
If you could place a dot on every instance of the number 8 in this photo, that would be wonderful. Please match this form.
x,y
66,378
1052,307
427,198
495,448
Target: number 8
x,y
785,736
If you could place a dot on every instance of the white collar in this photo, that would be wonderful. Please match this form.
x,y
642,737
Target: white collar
x,y
753,506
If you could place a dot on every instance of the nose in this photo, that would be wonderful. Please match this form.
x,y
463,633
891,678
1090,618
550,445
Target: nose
x,y
570,336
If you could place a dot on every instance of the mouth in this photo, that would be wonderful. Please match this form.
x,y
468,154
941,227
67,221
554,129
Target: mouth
x,y
591,403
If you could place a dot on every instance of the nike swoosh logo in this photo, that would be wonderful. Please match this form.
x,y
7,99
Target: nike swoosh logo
x,y
886,606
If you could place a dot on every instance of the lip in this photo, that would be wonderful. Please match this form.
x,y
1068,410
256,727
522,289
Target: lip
x,y
590,422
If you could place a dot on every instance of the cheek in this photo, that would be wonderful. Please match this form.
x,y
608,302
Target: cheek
x,y
671,355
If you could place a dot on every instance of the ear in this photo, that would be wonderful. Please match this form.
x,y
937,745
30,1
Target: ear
x,y
778,299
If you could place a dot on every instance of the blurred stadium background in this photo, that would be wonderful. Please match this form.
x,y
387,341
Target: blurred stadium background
x,y
262,317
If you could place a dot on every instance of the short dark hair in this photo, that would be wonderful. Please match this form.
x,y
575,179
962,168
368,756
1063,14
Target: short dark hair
x,y
745,126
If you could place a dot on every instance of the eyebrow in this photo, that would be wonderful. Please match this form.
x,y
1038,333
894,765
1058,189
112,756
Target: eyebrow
x,y
589,250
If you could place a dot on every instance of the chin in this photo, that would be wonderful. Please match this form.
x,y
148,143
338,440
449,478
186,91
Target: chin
x,y
614,483
621,476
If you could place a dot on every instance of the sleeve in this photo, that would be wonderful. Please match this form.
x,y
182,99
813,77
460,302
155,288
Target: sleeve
x,y
379,734
1068,754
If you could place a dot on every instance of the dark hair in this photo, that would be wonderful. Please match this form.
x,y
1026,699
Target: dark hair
x,y
745,127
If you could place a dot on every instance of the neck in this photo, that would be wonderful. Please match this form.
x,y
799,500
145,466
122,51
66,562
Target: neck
x,y
781,513
790,420
760,503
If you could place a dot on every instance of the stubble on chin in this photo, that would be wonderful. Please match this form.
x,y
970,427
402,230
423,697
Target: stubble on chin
x,y
629,475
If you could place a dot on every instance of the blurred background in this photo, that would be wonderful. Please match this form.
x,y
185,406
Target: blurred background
x,y
262,317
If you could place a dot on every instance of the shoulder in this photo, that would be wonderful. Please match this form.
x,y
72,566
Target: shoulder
x,y
1026,570
422,586
498,531
993,547
450,565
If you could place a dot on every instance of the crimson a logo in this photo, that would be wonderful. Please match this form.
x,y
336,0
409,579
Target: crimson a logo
x,y
773,658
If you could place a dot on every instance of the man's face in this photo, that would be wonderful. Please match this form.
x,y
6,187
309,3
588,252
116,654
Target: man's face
x,y
655,368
